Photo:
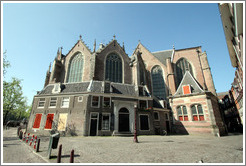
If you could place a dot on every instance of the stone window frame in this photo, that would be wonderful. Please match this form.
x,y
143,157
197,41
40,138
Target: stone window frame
x,y
140,122
98,105
62,100
109,115
197,113
53,101
39,101
182,113
158,114
180,73
159,82
122,66
109,101
78,68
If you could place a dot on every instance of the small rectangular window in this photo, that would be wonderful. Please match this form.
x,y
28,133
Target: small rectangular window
x,y
186,89
80,98
106,102
156,116
53,102
105,121
142,104
41,103
95,101
65,102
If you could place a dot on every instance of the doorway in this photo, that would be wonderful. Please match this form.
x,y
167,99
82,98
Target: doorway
x,y
124,120
93,124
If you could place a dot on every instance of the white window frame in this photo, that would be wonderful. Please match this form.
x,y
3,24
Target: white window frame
x,y
109,102
140,122
197,113
80,100
109,121
41,101
53,100
158,116
68,102
98,105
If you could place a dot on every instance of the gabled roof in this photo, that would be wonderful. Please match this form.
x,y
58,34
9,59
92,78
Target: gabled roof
x,y
163,55
113,40
188,79
76,44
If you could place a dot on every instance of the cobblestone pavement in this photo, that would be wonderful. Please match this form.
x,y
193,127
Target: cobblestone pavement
x,y
150,149
15,151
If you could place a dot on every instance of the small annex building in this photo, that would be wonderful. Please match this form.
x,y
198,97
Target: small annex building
x,y
104,91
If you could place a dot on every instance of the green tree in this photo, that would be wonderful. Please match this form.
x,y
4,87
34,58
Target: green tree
x,y
14,103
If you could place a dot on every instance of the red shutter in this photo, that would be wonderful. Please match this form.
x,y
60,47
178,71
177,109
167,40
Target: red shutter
x,y
186,89
195,117
181,118
49,121
201,117
37,121
185,118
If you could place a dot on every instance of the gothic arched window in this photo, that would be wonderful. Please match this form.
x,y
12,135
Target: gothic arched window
x,y
158,83
182,66
113,71
75,71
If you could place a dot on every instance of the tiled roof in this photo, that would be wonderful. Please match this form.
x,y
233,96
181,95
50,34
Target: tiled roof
x,y
163,55
94,86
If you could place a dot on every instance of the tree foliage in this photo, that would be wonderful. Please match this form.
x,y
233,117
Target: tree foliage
x,y
14,103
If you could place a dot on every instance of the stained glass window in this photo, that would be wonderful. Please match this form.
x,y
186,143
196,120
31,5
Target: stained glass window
x,y
182,66
158,82
75,71
113,68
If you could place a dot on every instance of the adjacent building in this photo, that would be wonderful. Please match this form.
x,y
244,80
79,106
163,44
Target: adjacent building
x,y
104,92
232,20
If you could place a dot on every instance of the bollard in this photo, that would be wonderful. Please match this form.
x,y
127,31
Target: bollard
x,y
27,138
72,156
31,140
37,150
34,147
24,138
20,135
59,154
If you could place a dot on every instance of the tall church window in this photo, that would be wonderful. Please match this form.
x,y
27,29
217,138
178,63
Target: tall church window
x,y
158,82
182,66
113,68
75,71
142,76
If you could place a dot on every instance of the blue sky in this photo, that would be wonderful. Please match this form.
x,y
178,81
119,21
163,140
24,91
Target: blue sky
x,y
32,33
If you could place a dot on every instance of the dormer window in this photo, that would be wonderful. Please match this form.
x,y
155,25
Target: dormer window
x,y
57,88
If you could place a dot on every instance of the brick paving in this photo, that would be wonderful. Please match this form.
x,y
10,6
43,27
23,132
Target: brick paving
x,y
150,149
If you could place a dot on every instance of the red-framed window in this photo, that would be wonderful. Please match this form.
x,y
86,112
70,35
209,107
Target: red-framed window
x,y
197,112
37,121
182,113
49,121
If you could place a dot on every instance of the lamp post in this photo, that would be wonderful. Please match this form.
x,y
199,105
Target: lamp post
x,y
135,126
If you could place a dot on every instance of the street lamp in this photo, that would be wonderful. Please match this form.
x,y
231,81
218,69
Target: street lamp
x,y
135,126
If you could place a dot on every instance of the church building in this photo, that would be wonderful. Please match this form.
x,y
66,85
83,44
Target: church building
x,y
105,92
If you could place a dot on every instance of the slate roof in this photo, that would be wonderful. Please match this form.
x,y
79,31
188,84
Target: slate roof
x,y
189,79
163,55
93,86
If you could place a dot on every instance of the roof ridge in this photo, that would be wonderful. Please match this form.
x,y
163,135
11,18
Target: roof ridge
x,y
162,51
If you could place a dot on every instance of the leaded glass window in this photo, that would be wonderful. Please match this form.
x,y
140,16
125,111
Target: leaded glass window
x,y
158,82
181,67
75,71
113,68
182,113
197,112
